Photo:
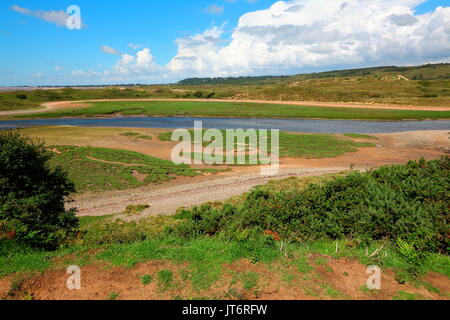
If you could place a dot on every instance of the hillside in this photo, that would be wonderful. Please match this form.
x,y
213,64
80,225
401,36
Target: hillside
x,y
425,72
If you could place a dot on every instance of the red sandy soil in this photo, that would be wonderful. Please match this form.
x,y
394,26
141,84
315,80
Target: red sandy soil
x,y
345,276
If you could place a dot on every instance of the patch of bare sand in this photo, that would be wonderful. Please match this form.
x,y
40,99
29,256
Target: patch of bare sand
x,y
47,107
349,277
344,276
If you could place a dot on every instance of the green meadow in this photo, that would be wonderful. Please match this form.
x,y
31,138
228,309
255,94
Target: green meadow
x,y
235,109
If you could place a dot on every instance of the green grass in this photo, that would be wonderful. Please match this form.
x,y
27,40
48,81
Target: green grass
x,y
113,296
16,258
136,135
317,146
146,280
96,169
402,295
360,136
165,280
249,280
311,146
205,256
234,109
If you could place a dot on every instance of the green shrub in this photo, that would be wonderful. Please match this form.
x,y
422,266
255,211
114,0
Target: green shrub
x,y
32,194
409,201
413,256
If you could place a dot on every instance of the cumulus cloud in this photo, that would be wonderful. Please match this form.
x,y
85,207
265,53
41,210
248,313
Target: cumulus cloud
x,y
403,19
198,52
56,17
141,63
296,34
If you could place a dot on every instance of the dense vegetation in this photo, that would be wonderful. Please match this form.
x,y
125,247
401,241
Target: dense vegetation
x,y
32,194
394,202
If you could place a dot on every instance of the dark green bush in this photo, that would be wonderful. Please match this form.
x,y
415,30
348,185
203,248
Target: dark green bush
x,y
32,194
409,202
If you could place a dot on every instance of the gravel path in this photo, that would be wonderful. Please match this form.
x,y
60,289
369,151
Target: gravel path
x,y
167,200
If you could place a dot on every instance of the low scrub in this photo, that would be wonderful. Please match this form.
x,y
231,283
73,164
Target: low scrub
x,y
410,202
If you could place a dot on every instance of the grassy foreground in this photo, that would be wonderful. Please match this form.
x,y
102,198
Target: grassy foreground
x,y
234,109
207,266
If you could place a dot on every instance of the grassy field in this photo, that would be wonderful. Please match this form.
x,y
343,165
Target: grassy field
x,y
233,109
207,267
309,146
98,169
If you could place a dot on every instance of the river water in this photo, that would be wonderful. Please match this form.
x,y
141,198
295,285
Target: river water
x,y
290,125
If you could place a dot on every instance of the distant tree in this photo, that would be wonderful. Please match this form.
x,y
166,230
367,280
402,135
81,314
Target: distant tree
x,y
32,194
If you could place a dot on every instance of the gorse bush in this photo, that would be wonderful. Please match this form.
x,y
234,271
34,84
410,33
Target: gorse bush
x,y
410,202
32,194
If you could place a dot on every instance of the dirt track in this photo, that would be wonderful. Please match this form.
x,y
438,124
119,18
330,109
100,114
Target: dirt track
x,y
167,200
52,106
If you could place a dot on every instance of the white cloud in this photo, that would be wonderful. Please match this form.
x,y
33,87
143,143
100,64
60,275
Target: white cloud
x,y
56,17
140,64
197,53
298,35
291,35
109,50
89,73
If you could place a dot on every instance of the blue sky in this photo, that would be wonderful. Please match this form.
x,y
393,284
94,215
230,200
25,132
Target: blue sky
x,y
35,51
